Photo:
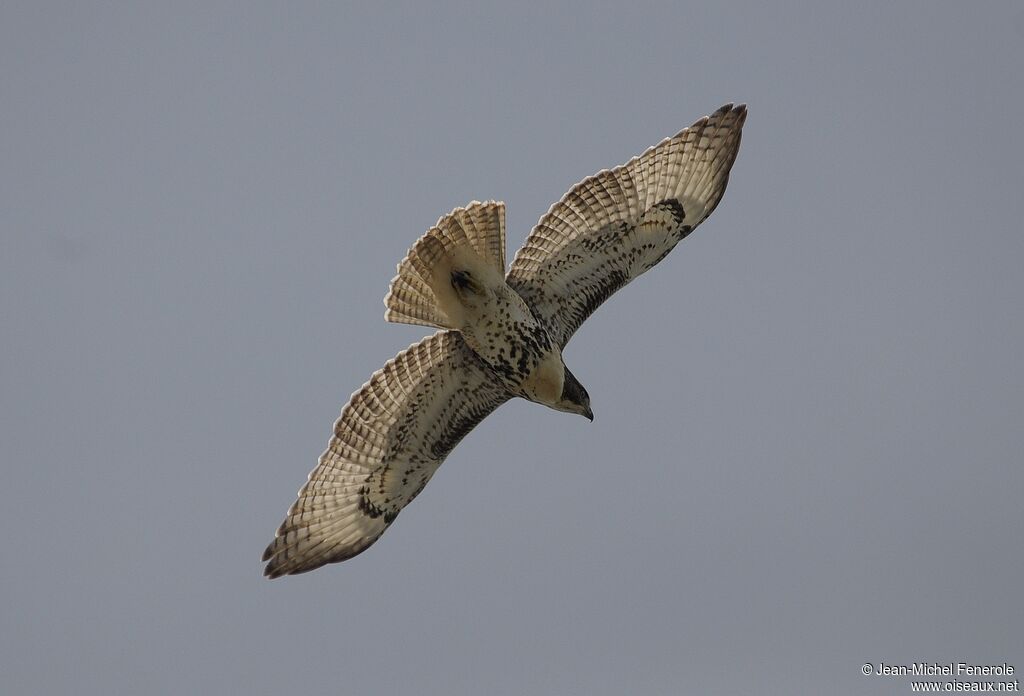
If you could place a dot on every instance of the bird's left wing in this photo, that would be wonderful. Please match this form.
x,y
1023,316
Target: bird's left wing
x,y
617,224
390,439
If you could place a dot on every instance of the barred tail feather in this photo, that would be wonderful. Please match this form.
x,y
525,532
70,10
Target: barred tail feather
x,y
473,236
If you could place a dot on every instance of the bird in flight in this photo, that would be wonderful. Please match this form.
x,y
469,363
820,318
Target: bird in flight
x,y
501,335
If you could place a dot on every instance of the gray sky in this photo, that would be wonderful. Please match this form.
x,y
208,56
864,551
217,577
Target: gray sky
x,y
807,452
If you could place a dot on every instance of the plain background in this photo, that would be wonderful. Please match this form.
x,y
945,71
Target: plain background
x,y
807,452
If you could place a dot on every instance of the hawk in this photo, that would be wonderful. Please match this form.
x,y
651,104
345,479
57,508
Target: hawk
x,y
501,335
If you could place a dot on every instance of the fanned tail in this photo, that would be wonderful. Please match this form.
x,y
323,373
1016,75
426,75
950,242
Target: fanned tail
x,y
470,238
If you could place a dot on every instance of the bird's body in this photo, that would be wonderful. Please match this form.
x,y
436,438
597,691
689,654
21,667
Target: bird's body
x,y
501,335
499,327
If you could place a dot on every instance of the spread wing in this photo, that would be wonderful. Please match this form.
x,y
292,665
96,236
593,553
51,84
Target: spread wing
x,y
615,225
390,439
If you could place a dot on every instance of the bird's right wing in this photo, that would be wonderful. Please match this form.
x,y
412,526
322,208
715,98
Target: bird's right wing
x,y
617,224
390,439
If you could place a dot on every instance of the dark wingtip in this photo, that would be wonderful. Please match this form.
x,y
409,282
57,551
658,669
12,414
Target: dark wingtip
x,y
271,549
723,113
273,567
739,110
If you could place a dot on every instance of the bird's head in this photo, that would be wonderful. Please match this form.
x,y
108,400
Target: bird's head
x,y
574,397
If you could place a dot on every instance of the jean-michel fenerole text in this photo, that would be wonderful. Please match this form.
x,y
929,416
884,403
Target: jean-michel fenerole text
x,y
944,668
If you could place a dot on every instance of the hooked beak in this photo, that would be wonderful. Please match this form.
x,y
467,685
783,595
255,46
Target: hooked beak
x,y
589,414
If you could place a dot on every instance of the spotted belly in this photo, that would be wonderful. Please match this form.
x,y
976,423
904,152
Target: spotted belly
x,y
522,355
